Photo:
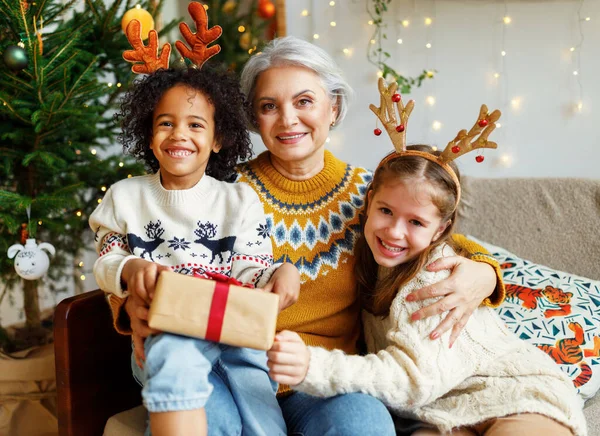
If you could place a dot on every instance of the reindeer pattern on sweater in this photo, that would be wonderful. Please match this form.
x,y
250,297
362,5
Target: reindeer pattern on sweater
x,y
212,227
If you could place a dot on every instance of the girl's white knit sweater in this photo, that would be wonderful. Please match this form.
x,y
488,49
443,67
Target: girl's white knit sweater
x,y
489,372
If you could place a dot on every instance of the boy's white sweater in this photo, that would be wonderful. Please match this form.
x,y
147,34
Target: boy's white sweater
x,y
214,226
489,372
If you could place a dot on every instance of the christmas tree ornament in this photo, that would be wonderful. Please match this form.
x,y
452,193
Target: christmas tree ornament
x,y
31,262
377,131
15,58
479,159
229,6
245,40
143,16
266,10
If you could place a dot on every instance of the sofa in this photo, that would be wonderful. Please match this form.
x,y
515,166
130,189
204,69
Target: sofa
x,y
554,222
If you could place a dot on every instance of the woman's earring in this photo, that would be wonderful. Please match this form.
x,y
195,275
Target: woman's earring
x,y
332,124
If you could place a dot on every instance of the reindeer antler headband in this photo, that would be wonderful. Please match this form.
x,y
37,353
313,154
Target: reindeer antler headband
x,y
146,59
464,142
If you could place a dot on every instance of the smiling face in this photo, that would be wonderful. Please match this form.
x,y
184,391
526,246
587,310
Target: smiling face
x,y
402,221
183,136
294,114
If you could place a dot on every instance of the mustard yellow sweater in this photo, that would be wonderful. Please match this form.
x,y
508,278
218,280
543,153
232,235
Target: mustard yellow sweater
x,y
314,224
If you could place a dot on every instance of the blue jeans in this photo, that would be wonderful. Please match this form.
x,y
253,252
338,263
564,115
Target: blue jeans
x,y
347,415
231,383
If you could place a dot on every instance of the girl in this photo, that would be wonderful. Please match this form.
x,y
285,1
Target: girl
x,y
188,126
488,382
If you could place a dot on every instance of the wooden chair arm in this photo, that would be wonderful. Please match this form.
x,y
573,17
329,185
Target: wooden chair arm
x,y
93,371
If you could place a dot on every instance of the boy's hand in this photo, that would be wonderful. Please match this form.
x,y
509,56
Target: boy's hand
x,y
288,358
285,282
140,277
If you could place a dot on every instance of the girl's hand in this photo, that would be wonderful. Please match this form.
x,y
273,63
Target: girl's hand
x,y
140,277
288,358
469,284
285,282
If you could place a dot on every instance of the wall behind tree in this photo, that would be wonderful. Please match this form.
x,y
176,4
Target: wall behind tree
x,y
543,131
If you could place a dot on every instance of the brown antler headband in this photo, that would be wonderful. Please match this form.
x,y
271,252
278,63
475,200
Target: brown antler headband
x,y
146,59
464,142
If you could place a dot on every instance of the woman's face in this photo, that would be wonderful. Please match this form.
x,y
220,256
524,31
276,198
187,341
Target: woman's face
x,y
294,114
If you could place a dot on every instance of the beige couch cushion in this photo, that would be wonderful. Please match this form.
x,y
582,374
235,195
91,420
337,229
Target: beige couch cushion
x,y
132,422
553,222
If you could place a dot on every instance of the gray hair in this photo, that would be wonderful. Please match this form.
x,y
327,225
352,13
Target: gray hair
x,y
292,51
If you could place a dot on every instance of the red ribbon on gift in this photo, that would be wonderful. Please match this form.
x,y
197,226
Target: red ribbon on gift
x,y
216,315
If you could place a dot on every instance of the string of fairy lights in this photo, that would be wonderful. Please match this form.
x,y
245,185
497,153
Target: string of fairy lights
x,y
401,20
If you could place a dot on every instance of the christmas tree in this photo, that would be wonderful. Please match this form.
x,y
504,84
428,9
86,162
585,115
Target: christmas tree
x,y
60,79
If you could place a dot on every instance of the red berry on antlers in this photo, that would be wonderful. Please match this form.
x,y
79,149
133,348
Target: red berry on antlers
x,y
396,98
483,123
400,128
479,159
455,149
377,132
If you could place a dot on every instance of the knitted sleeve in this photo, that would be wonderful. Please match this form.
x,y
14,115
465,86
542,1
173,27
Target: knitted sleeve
x,y
110,241
253,258
479,254
411,371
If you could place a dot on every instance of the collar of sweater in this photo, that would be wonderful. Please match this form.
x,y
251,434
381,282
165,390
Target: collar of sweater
x,y
326,181
175,197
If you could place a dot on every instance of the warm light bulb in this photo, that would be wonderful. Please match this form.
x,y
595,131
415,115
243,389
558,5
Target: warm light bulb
x,y
99,200
121,164
575,72
103,189
80,264
434,148
331,3
205,7
305,13
428,45
241,29
119,85
370,22
316,36
572,49
332,23
507,20
82,277
430,100
138,6
506,160
93,151
503,53
496,75
129,176
428,21
347,51
78,213
579,106
39,222
498,125
436,125
399,41
516,103
405,23
588,18
379,73
372,41
430,74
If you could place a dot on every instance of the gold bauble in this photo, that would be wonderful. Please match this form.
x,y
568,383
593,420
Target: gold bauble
x,y
143,16
229,6
245,40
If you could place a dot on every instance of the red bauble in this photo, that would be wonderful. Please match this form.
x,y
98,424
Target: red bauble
x,y
400,128
483,123
377,132
479,159
266,10
396,98
455,149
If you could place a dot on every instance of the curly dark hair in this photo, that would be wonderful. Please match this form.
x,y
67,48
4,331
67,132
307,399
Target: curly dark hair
x,y
222,90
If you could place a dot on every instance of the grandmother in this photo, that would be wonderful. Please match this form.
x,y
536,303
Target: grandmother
x,y
312,200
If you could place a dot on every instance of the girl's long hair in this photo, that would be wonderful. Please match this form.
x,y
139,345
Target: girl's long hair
x,y
377,295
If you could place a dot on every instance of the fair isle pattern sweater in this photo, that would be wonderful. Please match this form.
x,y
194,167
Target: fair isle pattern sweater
x,y
215,227
315,224
489,372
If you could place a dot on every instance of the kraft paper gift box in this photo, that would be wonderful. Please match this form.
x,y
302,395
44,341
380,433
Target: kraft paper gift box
x,y
214,310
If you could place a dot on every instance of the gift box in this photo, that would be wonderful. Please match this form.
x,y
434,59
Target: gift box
x,y
215,310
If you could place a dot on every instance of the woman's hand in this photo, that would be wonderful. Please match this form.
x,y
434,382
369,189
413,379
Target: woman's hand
x,y
285,282
288,358
469,284
140,277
